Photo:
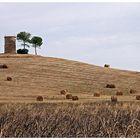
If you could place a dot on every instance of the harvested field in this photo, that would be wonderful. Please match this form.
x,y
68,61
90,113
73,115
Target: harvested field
x,y
46,76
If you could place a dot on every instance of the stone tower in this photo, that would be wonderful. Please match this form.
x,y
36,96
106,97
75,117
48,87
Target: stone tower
x,y
10,44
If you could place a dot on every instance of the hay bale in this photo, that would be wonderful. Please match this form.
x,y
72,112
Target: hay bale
x,y
119,93
114,99
74,98
39,98
69,96
9,79
132,91
63,92
4,66
110,86
137,97
96,94
107,66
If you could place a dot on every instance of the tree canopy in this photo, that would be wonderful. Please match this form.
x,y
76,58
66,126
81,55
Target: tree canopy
x,y
24,37
36,41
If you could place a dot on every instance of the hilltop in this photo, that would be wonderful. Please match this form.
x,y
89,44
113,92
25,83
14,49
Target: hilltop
x,y
46,76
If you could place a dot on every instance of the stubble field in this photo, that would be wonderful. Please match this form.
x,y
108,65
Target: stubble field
x,y
32,76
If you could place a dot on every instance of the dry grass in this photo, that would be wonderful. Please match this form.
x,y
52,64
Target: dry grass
x,y
56,116
38,75
70,120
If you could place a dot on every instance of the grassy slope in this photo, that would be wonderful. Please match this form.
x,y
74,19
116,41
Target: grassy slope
x,y
46,76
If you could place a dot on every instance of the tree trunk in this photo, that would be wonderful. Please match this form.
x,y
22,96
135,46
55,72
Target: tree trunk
x,y
24,45
35,51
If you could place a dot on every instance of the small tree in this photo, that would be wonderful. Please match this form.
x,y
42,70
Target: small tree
x,y
25,37
36,41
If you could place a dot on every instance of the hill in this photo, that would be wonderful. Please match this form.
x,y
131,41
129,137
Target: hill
x,y
46,76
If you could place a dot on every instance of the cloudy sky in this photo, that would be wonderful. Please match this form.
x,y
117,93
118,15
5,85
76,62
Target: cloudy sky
x,y
95,33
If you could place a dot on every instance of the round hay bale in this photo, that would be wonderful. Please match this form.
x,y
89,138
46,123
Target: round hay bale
x,y
132,91
74,98
4,66
63,92
114,99
39,98
9,79
96,94
119,93
68,96
110,86
107,66
137,97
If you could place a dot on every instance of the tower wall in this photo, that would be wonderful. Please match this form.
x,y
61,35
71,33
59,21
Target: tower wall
x,y
10,44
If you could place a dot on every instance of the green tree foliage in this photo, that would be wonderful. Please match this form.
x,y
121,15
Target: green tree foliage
x,y
24,37
36,41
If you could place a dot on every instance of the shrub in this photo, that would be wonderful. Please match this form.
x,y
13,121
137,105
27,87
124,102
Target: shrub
x,y
106,65
63,92
119,93
22,51
74,98
9,79
68,96
132,91
39,98
110,86
114,99
137,97
97,94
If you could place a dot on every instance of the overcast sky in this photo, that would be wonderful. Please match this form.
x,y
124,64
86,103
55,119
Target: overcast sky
x,y
95,33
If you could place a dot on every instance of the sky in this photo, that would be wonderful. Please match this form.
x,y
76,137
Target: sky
x,y
94,33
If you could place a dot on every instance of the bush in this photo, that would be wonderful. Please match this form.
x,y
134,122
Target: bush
x,y
22,51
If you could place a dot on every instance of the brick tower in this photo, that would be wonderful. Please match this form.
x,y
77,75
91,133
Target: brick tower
x,y
10,44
